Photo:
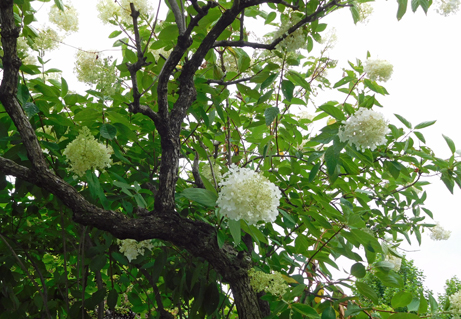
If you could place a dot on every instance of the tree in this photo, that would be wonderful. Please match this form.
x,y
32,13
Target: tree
x,y
152,215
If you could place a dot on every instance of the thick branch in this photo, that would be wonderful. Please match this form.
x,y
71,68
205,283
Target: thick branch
x,y
178,16
8,88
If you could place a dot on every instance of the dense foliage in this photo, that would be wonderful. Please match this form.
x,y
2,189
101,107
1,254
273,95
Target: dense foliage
x,y
199,177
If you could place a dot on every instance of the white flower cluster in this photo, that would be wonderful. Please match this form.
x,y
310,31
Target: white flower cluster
x,y
111,10
455,302
91,68
271,283
439,233
378,70
206,172
305,115
293,41
365,10
248,195
66,20
365,129
85,153
132,248
48,39
447,7
394,260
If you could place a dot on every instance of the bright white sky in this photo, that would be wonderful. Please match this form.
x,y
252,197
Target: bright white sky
x,y
425,86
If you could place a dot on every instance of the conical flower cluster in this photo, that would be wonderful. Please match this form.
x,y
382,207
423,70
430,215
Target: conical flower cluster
x,y
248,195
271,283
85,153
132,248
378,70
365,129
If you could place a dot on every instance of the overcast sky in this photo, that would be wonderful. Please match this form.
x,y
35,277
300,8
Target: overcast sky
x,y
425,86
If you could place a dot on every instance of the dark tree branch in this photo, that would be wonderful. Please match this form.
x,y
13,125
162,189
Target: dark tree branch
x,y
178,16
221,82
196,173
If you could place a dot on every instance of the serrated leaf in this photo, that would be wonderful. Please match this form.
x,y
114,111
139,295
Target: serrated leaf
x,y
108,131
403,120
201,196
424,124
270,114
287,89
420,136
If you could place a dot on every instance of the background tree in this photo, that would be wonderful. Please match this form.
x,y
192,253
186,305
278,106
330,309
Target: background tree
x,y
130,194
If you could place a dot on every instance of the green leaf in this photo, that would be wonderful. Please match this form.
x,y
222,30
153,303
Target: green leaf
x,y
305,310
367,291
450,143
234,227
287,89
403,315
420,136
355,13
401,299
59,4
64,87
114,34
201,196
424,124
403,120
402,8
112,299
433,303
422,304
98,262
31,109
108,131
358,270
333,111
329,313
96,190
211,302
270,17
390,279
270,114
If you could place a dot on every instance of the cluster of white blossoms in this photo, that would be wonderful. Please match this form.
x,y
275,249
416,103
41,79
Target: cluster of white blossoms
x,y
439,233
365,129
447,7
248,195
206,172
85,153
111,10
455,302
91,68
394,260
365,10
293,41
378,70
48,39
66,20
271,283
132,248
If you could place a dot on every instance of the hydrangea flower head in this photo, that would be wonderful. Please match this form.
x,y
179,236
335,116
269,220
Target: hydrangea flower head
x,y
248,195
91,68
47,40
447,7
66,20
378,70
271,283
132,248
439,233
365,129
455,302
85,153
394,260
293,41
110,10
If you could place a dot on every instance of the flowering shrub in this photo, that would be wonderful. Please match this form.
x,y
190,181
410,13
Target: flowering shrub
x,y
293,41
248,195
378,70
110,10
47,40
132,248
66,20
439,233
90,68
85,153
455,302
447,7
271,283
365,129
